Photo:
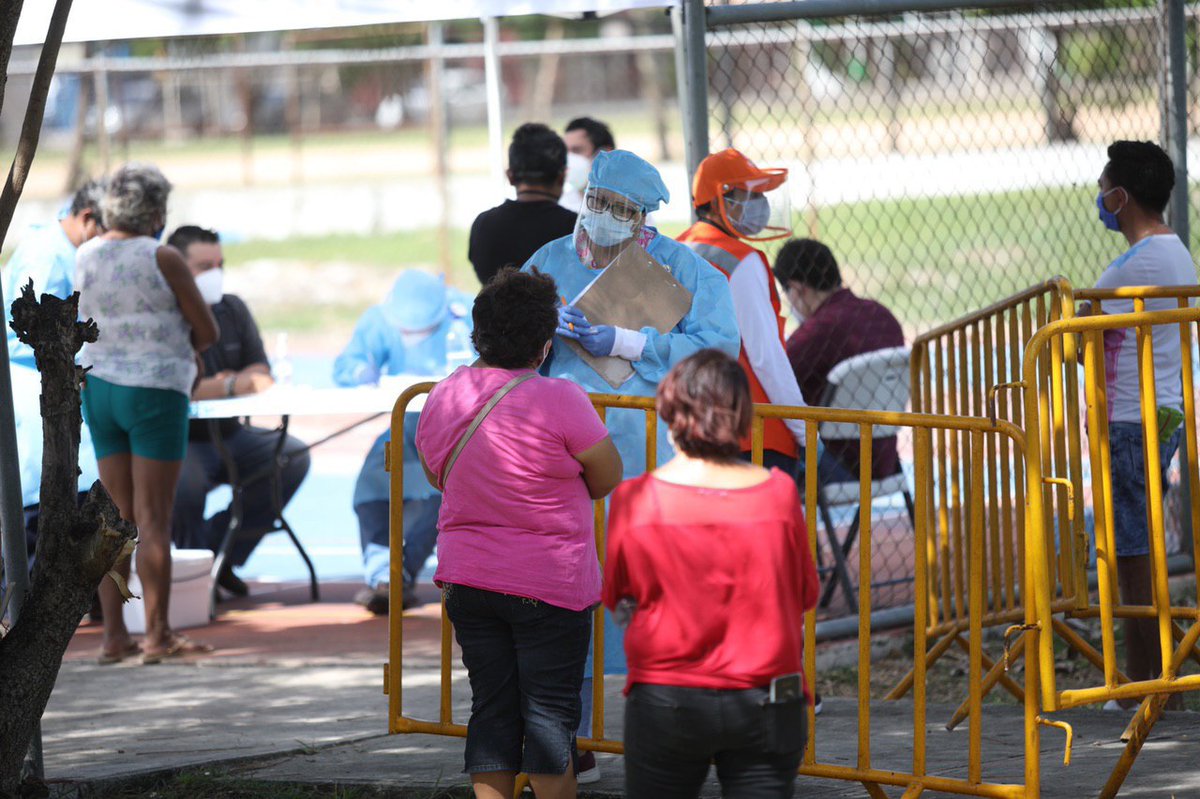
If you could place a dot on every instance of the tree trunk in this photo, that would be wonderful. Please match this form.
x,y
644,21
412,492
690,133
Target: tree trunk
x,y
76,546
9,16
34,112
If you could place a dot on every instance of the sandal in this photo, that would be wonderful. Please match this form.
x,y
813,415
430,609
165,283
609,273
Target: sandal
x,y
107,659
180,646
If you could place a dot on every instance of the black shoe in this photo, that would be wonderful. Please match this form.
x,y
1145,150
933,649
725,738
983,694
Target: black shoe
x,y
411,600
230,582
374,599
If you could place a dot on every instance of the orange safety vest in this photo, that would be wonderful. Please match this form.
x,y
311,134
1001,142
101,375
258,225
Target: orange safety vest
x,y
725,253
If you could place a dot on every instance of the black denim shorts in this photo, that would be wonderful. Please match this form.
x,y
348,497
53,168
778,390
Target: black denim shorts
x,y
524,660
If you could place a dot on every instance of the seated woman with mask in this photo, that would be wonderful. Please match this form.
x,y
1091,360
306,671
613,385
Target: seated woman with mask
x,y
414,331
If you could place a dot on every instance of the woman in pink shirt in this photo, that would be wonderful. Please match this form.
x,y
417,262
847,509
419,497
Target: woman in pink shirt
x,y
713,555
516,552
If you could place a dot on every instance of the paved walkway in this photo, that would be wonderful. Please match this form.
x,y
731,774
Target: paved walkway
x,y
294,693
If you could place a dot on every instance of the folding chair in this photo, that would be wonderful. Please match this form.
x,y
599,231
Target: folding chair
x,y
877,381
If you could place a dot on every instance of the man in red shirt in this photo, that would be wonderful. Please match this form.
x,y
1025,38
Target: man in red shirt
x,y
739,203
834,325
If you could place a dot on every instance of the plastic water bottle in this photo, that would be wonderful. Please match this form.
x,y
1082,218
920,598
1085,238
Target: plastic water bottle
x,y
281,364
458,346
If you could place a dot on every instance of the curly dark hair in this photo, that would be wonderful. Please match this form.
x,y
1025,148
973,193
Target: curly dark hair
x,y
537,155
515,314
705,401
1144,170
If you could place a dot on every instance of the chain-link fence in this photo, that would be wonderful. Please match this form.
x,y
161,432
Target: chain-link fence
x,y
948,159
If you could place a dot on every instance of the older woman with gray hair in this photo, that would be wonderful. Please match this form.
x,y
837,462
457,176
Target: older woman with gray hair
x,y
152,322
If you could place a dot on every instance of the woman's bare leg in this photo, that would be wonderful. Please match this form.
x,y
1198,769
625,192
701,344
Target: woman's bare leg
x,y
153,496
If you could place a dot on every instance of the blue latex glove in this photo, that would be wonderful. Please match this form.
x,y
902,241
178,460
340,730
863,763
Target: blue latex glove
x,y
572,323
368,374
598,340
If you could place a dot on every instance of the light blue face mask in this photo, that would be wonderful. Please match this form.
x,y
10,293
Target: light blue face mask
x,y
1109,218
604,230
755,214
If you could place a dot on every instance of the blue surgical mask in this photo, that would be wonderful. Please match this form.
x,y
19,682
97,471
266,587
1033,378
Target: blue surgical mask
x,y
604,230
755,214
1109,218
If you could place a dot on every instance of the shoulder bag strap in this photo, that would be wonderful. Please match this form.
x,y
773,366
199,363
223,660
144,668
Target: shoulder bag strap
x,y
478,420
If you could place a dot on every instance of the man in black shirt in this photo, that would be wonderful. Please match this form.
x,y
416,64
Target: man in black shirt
x,y
514,230
236,365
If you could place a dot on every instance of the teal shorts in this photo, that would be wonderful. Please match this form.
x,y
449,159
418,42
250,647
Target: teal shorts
x,y
148,422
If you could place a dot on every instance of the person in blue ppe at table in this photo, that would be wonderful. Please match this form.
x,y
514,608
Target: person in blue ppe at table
x,y
46,255
622,189
422,328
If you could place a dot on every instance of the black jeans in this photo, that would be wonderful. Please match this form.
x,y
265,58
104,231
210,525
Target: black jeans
x,y
524,660
673,733
252,449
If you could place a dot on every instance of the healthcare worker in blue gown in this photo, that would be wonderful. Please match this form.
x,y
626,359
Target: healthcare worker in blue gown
x,y
622,189
422,328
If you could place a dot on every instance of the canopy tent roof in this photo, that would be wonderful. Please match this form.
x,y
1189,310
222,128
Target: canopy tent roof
x,y
117,20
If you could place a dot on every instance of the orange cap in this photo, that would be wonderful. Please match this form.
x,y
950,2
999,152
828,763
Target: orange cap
x,y
728,169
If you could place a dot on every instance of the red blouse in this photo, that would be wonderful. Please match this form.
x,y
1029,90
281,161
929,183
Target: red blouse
x,y
721,578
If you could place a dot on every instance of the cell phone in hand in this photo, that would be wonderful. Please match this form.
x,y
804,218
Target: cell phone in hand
x,y
786,688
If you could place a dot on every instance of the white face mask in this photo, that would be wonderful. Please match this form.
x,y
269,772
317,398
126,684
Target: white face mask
x,y
212,285
604,230
793,298
577,171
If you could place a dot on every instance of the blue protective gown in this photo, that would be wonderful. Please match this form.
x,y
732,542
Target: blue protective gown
x,y
709,323
377,348
46,256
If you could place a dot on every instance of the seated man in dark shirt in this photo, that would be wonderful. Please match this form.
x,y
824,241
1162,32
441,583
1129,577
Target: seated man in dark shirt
x,y
516,229
835,325
236,365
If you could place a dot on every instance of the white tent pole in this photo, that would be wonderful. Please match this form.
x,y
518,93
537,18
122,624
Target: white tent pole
x,y
491,69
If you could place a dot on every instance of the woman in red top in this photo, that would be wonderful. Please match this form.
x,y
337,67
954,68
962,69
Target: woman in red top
x,y
713,555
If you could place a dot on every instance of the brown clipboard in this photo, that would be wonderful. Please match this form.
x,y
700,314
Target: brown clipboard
x,y
634,292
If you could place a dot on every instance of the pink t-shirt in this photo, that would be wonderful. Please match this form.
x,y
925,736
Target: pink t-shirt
x,y
516,517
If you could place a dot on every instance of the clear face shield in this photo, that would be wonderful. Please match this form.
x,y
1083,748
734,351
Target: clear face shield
x,y
757,210
607,223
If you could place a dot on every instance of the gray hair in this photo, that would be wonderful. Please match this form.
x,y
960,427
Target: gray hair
x,y
88,197
136,200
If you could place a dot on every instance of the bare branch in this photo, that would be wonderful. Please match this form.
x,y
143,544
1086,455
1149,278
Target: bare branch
x,y
32,127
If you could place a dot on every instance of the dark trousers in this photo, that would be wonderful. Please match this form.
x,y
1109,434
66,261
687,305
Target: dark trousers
x,y
524,659
252,450
673,733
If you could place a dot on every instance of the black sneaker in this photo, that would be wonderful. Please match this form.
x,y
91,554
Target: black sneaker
x,y
817,706
410,598
230,582
587,772
374,599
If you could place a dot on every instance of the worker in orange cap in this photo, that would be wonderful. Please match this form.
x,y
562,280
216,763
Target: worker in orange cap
x,y
738,203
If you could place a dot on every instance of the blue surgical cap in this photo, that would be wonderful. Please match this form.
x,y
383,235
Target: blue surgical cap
x,y
417,301
631,177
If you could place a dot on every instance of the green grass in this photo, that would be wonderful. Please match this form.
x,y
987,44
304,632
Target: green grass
x,y
930,260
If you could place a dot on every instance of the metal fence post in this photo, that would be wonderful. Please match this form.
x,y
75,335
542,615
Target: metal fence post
x,y
1177,110
1176,128
691,68
12,522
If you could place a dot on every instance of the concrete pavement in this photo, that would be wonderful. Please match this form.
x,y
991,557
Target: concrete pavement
x,y
294,694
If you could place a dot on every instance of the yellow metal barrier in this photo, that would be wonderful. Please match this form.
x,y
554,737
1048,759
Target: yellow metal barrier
x,y
1041,539
971,367
979,438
